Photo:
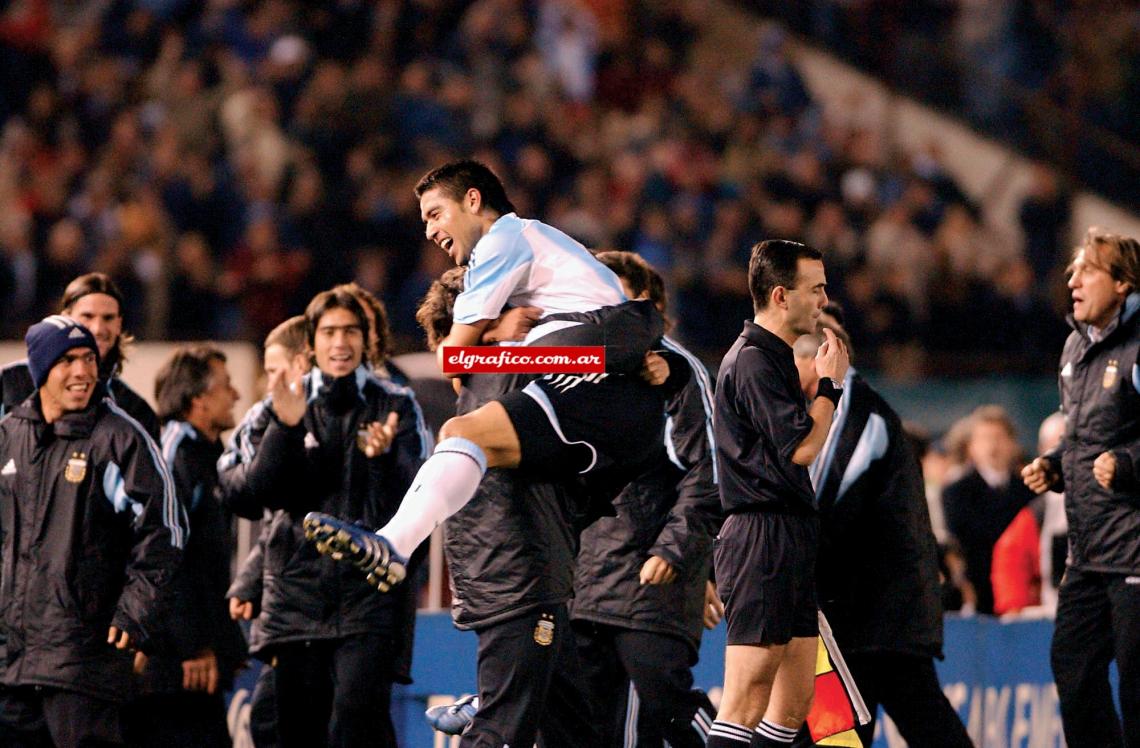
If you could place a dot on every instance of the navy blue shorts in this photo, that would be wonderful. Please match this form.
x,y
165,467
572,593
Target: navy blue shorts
x,y
765,575
569,424
578,424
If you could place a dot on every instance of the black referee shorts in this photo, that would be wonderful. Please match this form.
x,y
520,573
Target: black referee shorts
x,y
765,575
570,424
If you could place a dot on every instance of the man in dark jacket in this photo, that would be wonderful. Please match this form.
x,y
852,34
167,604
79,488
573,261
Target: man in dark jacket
x,y
980,505
877,572
286,350
182,692
95,302
92,537
342,441
511,557
639,589
1097,465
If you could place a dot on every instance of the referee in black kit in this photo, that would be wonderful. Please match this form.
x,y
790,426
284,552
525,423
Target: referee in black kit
x,y
765,556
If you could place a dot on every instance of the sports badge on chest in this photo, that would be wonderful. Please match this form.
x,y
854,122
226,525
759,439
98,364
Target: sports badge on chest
x,y
1109,374
544,630
76,469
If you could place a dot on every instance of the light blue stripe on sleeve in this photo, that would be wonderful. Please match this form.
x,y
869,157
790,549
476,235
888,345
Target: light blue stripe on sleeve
x,y
671,448
705,386
115,492
873,443
173,513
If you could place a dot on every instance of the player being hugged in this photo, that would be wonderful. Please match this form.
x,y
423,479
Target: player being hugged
x,y
556,423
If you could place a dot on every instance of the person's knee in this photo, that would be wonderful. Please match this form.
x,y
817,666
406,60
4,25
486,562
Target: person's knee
x,y
1066,667
458,427
791,708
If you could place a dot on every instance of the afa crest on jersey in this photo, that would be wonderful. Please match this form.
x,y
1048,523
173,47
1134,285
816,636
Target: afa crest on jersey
x,y
76,469
544,630
1110,373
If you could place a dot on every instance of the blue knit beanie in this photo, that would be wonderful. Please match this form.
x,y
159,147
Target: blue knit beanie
x,y
49,339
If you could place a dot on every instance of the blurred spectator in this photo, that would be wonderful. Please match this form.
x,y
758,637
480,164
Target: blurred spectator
x,y
568,35
1016,571
63,260
18,268
193,292
957,593
980,505
1029,557
262,276
1044,216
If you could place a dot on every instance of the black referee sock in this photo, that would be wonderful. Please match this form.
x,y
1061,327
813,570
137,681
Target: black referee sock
x,y
771,735
728,735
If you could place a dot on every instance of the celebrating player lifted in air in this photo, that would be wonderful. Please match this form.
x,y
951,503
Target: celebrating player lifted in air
x,y
553,424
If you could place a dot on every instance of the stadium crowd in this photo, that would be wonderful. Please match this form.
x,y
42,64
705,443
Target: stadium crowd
x,y
1053,79
224,160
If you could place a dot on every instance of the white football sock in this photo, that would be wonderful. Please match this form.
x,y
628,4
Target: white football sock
x,y
443,486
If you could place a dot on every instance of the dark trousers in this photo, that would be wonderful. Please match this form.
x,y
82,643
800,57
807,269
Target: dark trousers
x,y
35,717
1098,620
189,719
263,710
335,693
529,686
907,688
660,705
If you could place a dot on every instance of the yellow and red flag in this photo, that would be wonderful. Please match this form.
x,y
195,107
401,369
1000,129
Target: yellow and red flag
x,y
838,707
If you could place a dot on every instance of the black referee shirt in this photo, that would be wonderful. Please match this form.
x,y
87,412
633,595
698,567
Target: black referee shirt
x,y
760,419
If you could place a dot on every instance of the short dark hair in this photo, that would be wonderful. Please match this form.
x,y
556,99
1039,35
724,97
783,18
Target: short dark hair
x,y
90,283
437,310
456,177
380,342
292,335
183,377
334,298
638,274
774,262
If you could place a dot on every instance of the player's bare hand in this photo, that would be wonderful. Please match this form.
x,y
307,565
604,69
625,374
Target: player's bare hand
x,y
288,398
512,325
140,663
241,610
714,608
654,369
381,435
121,639
657,570
201,673
1104,469
1035,475
832,359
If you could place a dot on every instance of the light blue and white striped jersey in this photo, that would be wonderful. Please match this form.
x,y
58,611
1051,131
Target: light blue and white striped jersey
x,y
524,262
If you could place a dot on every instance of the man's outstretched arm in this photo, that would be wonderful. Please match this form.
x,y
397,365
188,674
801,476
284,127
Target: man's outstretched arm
x,y
460,335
